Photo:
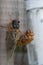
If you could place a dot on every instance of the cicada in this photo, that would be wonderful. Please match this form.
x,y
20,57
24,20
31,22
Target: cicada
x,y
14,37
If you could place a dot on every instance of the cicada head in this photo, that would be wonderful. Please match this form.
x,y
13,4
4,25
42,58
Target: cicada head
x,y
15,24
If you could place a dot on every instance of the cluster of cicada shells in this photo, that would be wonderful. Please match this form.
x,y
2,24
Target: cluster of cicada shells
x,y
26,38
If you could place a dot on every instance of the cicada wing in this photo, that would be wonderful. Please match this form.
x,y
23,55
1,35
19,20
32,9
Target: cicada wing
x,y
9,43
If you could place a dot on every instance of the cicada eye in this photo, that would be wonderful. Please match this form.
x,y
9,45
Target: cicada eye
x,y
15,24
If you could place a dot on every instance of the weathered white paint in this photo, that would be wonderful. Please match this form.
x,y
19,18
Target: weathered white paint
x,y
35,23
31,4
32,55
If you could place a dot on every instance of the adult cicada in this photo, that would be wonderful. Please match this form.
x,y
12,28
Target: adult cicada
x,y
15,38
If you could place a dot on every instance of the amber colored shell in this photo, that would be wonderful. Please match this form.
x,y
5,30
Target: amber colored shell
x,y
28,37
